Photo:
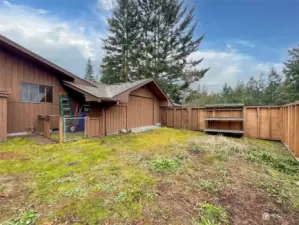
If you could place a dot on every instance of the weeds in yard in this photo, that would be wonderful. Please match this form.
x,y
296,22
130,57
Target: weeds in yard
x,y
277,161
216,147
212,215
210,186
76,192
165,165
28,218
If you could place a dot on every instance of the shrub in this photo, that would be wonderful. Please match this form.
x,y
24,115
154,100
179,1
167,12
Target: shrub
x,y
27,218
212,215
210,186
165,165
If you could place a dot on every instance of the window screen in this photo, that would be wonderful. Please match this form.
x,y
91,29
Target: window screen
x,y
36,93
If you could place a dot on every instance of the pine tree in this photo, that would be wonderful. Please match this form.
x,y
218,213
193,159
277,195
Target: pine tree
x,y
227,93
239,93
252,92
261,84
167,39
89,71
291,72
121,46
152,39
274,82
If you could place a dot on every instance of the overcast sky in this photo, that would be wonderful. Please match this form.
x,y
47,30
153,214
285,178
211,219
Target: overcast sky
x,y
243,37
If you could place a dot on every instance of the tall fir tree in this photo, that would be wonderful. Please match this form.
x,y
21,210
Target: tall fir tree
x,y
89,71
121,46
226,93
261,82
152,39
291,72
167,40
252,91
272,96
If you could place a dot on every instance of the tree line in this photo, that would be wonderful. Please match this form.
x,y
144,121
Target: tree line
x,y
268,89
155,38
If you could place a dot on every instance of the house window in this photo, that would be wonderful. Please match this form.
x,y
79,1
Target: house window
x,y
36,93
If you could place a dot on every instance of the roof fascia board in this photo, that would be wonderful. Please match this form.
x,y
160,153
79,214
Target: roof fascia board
x,y
142,84
37,57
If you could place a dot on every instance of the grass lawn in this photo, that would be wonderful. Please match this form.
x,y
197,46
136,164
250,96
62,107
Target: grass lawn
x,y
165,176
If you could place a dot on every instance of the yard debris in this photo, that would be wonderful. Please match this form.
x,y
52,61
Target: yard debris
x,y
123,131
4,195
266,216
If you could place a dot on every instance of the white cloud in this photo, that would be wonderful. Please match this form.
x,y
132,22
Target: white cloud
x,y
65,43
105,4
229,66
11,6
244,43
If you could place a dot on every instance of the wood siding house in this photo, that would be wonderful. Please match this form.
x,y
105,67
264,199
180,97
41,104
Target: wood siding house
x,y
30,86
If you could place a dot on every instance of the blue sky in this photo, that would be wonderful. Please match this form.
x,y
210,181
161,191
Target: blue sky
x,y
243,37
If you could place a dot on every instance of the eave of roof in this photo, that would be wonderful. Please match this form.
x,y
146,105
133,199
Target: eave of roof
x,y
111,92
10,45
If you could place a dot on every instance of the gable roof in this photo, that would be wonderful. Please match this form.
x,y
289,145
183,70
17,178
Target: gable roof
x,y
111,92
33,57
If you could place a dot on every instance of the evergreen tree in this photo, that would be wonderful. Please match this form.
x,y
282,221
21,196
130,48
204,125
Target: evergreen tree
x,y
121,46
239,93
272,96
252,92
291,72
167,39
227,93
152,39
89,71
261,83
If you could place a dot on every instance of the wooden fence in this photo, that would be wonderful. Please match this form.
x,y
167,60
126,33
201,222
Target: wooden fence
x,y
280,123
183,118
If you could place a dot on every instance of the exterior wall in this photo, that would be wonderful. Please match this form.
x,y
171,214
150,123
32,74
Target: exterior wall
x,y
143,108
13,71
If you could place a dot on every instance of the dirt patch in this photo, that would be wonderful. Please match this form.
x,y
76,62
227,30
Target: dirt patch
x,y
247,205
7,156
41,140
17,195
177,204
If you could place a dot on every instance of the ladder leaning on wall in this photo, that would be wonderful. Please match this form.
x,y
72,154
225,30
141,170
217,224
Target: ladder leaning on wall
x,y
65,105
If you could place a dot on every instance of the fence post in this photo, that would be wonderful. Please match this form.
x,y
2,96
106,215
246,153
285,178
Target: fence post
x,y
61,129
87,126
47,127
174,110
189,116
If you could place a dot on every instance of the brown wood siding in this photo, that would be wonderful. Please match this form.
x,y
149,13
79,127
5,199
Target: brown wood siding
x,y
116,118
13,71
143,108
263,122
